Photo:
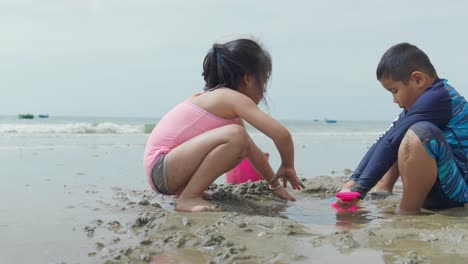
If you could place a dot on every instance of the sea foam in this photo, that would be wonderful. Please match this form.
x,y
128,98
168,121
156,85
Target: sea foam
x,y
73,128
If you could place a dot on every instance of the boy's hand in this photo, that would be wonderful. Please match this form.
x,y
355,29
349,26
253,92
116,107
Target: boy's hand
x,y
289,174
347,188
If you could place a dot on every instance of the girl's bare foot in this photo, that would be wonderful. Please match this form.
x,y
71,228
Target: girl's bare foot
x,y
196,204
207,195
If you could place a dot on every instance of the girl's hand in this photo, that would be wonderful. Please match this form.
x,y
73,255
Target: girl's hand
x,y
289,174
282,192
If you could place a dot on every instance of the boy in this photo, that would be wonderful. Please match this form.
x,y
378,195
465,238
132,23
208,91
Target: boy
x,y
428,143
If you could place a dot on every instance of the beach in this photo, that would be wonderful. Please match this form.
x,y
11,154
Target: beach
x,y
74,191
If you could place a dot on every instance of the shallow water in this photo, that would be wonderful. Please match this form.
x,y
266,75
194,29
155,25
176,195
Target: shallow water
x,y
319,212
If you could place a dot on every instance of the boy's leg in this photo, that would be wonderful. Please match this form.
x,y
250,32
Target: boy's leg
x,y
389,179
431,177
195,164
418,172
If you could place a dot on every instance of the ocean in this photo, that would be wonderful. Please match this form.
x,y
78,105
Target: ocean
x,y
320,148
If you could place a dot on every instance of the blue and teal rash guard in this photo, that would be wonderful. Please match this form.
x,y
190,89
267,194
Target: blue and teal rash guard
x,y
441,105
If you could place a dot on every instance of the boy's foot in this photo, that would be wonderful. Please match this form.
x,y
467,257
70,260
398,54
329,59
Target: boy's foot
x,y
196,204
378,195
383,187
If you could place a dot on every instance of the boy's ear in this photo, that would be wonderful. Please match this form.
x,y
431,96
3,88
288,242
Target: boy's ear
x,y
418,77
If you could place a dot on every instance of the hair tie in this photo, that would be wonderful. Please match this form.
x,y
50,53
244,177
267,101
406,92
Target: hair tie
x,y
215,50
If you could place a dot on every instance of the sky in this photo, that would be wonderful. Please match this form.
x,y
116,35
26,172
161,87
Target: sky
x,y
139,58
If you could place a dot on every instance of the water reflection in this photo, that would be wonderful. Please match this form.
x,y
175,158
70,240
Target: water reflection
x,y
310,210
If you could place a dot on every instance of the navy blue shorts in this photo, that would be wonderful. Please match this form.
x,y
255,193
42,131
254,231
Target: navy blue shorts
x,y
450,188
437,199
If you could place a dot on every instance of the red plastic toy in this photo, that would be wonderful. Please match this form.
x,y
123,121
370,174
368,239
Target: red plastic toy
x,y
346,197
244,172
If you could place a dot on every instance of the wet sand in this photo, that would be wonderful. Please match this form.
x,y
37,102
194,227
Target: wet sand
x,y
84,199
256,228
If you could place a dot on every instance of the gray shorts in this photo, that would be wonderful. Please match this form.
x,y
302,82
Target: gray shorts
x,y
159,176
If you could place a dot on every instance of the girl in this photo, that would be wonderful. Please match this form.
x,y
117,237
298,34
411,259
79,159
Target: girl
x,y
204,136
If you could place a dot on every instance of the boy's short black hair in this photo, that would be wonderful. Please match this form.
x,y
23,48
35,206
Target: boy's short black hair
x,y
402,59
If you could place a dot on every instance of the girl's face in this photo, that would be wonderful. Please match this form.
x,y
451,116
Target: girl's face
x,y
255,89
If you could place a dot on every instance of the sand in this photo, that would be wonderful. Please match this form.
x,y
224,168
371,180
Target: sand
x,y
255,228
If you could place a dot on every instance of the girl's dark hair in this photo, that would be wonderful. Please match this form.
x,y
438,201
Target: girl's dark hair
x,y
402,59
226,64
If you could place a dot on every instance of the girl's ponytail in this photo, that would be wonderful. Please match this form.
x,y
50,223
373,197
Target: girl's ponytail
x,y
210,65
226,64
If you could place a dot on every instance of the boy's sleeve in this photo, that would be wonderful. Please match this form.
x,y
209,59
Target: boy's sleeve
x,y
362,165
432,106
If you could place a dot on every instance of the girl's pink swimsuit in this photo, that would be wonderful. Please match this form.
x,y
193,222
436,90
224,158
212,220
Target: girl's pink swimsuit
x,y
183,122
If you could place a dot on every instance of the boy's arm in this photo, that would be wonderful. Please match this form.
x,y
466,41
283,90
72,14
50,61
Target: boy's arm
x,y
362,165
432,106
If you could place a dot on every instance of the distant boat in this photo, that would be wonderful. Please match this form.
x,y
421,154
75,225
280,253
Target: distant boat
x,y
43,116
330,121
25,116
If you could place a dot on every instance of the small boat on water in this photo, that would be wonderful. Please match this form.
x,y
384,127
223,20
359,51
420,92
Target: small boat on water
x,y
330,121
26,116
43,116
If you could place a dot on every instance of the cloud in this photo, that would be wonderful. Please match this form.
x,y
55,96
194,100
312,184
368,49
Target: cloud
x,y
143,52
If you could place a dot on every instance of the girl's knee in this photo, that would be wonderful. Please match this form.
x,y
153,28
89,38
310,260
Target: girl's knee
x,y
239,137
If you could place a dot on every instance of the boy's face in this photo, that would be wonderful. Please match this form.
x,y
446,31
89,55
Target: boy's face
x,y
404,94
